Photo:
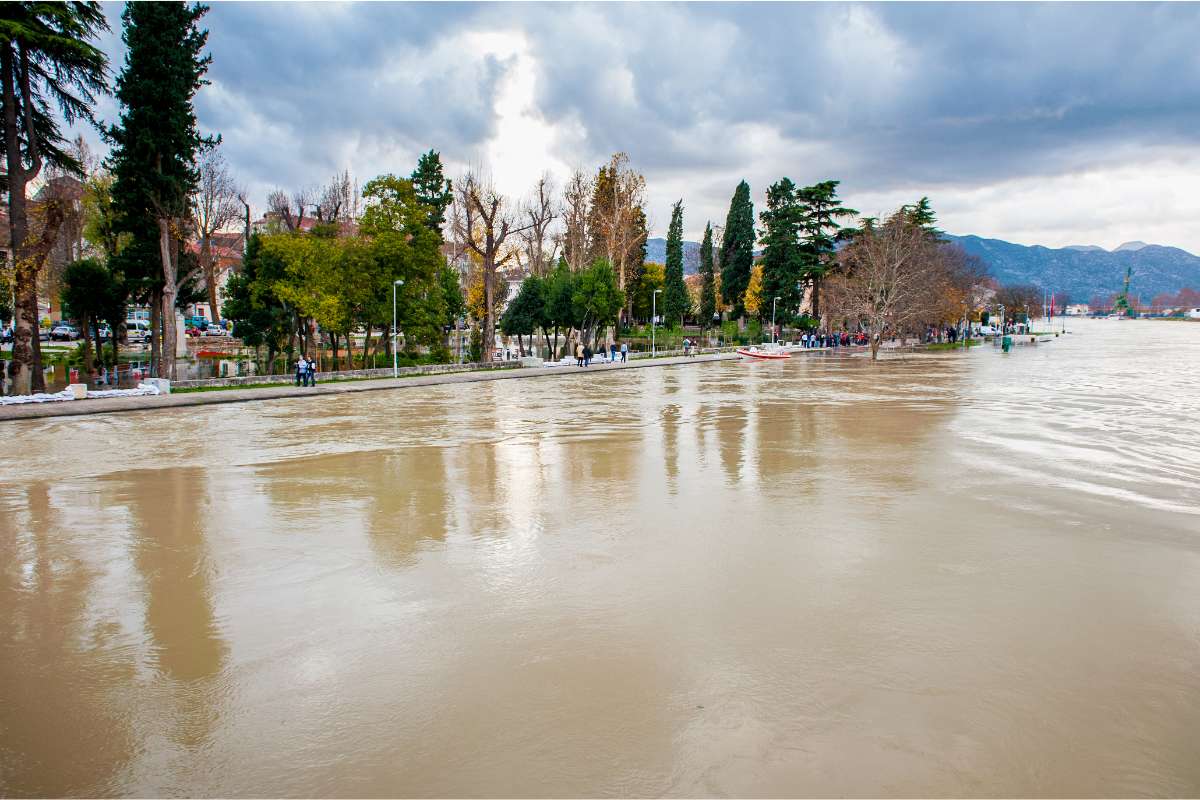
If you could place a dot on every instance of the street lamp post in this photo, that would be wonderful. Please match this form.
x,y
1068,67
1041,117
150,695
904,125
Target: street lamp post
x,y
395,332
773,302
653,318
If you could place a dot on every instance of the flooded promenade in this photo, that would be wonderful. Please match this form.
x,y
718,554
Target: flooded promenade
x,y
943,574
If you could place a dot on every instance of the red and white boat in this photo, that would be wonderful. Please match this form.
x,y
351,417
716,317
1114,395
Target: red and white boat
x,y
770,355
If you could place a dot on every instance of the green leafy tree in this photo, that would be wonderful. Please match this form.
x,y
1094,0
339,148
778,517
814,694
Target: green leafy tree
x,y
921,214
433,190
597,298
708,277
85,295
260,318
676,301
156,144
560,312
822,232
784,261
653,277
452,294
408,249
526,311
737,250
51,72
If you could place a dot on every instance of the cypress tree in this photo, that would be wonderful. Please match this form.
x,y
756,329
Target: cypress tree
x,y
153,160
675,293
708,287
784,262
737,250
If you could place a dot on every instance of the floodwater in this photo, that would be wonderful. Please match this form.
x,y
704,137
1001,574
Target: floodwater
x,y
947,574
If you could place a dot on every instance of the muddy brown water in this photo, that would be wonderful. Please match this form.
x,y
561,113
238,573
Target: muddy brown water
x,y
964,574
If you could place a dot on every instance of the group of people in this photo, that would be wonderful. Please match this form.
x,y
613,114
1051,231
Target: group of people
x,y
584,353
834,339
306,371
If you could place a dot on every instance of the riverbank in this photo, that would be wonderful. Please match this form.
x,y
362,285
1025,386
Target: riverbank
x,y
115,405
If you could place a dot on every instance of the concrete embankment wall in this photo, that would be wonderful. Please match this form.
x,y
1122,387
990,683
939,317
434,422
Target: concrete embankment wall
x,y
345,374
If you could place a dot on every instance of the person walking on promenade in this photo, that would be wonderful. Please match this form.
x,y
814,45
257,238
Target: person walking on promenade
x,y
587,355
612,352
624,351
312,372
579,354
301,368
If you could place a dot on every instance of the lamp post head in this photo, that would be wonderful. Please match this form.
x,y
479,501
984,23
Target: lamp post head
x,y
398,282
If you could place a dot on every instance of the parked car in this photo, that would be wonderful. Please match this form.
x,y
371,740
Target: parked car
x,y
64,332
105,333
6,336
215,330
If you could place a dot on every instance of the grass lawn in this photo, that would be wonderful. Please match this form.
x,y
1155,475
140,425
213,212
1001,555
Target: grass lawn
x,y
960,345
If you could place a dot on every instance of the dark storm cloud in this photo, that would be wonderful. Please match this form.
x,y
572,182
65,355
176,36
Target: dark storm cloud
x,y
879,95
904,92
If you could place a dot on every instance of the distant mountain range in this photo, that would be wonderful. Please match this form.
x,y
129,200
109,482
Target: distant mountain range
x,y
1079,271
1083,271
656,251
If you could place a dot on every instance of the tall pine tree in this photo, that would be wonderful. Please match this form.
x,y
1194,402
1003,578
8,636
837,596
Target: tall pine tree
x,y
49,64
153,160
737,250
822,231
784,263
708,278
675,294
433,190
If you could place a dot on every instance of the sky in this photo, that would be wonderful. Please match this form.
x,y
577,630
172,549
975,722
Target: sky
x,y
1051,124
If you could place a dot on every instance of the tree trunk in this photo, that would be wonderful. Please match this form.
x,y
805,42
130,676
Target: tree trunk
x,y
99,344
155,329
25,367
816,297
366,347
489,314
166,367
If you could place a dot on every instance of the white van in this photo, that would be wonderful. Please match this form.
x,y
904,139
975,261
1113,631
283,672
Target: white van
x,y
1193,313
137,330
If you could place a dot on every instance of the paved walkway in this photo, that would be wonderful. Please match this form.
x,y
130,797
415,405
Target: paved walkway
x,y
111,405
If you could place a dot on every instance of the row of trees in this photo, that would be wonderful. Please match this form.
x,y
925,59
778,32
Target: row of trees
x,y
567,301
340,277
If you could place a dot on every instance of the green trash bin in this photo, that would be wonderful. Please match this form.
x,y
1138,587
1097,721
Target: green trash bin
x,y
1006,343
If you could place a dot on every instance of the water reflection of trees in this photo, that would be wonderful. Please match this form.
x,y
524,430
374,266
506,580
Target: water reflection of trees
x,y
171,515
64,678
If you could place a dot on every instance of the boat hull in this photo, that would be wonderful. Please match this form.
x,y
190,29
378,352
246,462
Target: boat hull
x,y
762,355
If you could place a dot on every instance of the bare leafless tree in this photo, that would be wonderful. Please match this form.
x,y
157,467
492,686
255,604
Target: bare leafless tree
x,y
289,209
339,199
618,219
488,220
539,245
577,199
215,206
889,279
